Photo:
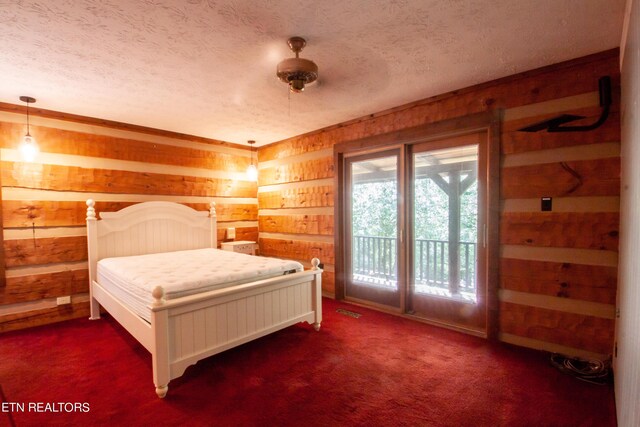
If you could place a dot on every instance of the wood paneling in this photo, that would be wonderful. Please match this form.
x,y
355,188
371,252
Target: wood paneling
x,y
518,142
69,178
49,250
297,224
103,123
328,282
27,319
295,146
242,233
579,178
25,213
303,171
586,230
297,198
60,141
297,250
116,168
48,285
567,280
43,213
573,330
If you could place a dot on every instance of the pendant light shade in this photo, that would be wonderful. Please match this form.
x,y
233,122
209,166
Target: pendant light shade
x,y
28,147
252,170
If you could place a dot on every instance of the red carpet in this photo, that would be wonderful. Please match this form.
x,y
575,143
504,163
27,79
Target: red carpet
x,y
375,370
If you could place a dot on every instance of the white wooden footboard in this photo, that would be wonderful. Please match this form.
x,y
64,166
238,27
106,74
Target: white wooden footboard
x,y
192,328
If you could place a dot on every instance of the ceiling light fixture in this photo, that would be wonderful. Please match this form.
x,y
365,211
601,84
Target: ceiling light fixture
x,y
297,72
252,170
28,147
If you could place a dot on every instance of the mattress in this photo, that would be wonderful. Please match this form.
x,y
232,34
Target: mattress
x,y
132,279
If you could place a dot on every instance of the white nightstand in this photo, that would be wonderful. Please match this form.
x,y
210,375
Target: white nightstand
x,y
241,246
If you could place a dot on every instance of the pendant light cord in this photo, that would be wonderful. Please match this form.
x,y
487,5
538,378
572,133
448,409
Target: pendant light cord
x,y
28,128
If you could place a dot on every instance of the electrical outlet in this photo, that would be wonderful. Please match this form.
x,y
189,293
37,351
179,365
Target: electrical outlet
x,y
231,233
63,300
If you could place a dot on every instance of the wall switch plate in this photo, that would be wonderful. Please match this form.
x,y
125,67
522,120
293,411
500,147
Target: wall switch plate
x,y
545,204
63,300
231,233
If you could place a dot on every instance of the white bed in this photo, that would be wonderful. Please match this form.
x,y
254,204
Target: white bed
x,y
209,310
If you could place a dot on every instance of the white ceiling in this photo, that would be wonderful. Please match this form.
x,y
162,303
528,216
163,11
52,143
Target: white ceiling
x,y
207,67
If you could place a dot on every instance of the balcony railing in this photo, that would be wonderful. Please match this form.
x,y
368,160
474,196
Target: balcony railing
x,y
375,258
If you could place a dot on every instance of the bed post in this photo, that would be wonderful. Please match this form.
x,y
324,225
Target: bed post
x,y
316,293
92,248
214,224
160,353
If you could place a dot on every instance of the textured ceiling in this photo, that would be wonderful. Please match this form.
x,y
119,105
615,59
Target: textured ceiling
x,y
207,68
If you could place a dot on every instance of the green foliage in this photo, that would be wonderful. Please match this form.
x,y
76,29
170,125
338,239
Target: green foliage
x,y
375,210
375,207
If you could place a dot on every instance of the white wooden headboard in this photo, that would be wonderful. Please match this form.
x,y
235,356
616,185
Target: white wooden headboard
x,y
146,228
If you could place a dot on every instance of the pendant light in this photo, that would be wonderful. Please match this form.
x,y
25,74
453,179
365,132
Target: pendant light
x,y
28,147
252,170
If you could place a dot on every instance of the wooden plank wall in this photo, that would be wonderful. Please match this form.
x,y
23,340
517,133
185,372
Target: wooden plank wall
x,y
43,204
559,268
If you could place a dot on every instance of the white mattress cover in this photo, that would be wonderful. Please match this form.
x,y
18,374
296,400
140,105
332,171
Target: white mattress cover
x,y
132,279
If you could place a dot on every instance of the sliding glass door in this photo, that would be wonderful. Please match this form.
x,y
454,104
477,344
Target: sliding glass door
x,y
373,224
414,221
444,210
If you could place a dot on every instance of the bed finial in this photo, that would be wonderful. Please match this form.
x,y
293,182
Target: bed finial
x,y
315,263
212,209
91,210
158,296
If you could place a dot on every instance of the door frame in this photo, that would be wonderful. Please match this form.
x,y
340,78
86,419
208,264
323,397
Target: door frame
x,y
440,306
488,122
394,150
